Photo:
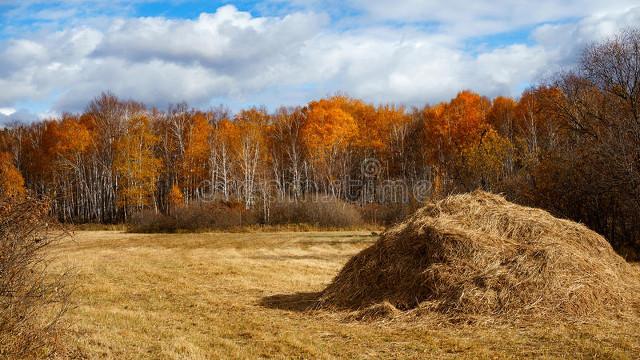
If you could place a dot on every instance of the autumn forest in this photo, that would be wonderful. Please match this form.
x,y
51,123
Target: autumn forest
x,y
570,145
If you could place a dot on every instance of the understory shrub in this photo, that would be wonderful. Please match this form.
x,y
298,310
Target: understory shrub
x,y
221,215
323,212
149,221
194,217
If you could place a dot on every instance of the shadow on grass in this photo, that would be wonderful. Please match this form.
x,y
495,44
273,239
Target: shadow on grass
x,y
299,302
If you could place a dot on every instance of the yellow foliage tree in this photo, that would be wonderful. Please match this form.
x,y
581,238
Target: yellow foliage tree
x,y
136,164
252,125
485,163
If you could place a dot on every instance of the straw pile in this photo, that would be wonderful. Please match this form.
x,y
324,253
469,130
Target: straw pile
x,y
477,254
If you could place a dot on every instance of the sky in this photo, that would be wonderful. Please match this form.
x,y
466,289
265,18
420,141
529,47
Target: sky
x,y
55,56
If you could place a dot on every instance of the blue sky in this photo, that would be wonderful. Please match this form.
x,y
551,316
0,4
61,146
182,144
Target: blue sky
x,y
57,55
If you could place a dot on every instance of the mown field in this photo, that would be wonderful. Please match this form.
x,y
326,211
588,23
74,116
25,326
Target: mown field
x,y
242,295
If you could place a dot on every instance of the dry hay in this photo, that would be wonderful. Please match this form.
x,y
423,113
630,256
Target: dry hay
x,y
479,255
381,311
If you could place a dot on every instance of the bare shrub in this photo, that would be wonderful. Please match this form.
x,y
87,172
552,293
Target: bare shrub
x,y
324,212
212,216
151,222
32,300
220,215
225,215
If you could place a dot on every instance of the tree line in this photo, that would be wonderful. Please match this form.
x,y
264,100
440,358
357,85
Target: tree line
x,y
570,145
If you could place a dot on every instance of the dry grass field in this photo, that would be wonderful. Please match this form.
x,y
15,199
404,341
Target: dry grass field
x,y
241,295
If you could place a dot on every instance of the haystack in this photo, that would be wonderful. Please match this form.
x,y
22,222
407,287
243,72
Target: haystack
x,y
478,254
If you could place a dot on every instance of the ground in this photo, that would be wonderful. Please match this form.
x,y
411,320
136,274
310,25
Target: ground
x,y
243,295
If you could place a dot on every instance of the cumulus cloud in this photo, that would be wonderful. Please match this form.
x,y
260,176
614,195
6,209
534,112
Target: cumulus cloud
x,y
157,60
236,57
228,38
565,41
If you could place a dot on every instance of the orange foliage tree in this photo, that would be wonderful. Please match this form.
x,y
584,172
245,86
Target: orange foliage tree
x,y
327,133
176,199
195,163
11,181
450,129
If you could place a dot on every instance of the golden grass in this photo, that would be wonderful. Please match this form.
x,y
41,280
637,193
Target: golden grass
x,y
198,296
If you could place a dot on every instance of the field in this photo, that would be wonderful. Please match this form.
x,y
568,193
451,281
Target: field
x,y
242,295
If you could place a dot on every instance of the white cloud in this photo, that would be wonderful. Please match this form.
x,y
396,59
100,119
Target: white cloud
x,y
157,60
235,57
483,17
6,111
564,41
